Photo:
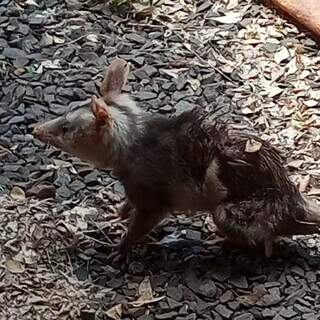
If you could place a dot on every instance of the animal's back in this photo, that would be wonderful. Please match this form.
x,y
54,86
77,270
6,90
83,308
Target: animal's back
x,y
169,160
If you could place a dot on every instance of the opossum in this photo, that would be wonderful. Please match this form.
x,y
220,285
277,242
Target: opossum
x,y
185,163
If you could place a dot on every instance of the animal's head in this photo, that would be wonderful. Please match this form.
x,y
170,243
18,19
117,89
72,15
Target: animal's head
x,y
93,133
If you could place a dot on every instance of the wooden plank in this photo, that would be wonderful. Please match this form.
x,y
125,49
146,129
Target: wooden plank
x,y
305,12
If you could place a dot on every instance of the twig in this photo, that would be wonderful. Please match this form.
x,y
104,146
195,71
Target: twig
x,y
210,65
70,263
99,241
51,266
98,227
206,62
80,38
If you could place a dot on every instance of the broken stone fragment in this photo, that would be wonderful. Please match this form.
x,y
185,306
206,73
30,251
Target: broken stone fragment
x,y
42,191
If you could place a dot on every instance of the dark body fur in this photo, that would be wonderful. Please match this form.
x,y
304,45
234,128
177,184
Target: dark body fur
x,y
166,169
262,201
168,154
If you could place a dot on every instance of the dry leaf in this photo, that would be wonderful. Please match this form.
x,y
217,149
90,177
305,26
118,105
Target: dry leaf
x,y
232,4
141,9
145,294
311,103
252,298
209,223
295,163
281,55
46,39
252,146
247,111
32,2
195,84
145,289
232,17
174,73
17,193
292,66
14,266
141,302
92,37
115,312
273,91
304,182
48,64
58,40
314,191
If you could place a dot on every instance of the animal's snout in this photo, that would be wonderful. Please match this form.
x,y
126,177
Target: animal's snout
x,y
37,132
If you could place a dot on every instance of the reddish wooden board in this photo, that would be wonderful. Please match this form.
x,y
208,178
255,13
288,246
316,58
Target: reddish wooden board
x,y
306,12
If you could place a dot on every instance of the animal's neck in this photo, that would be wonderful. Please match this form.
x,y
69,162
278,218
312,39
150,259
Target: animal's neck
x,y
125,128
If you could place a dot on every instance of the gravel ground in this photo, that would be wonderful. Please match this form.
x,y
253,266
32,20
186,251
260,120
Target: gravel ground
x,y
238,55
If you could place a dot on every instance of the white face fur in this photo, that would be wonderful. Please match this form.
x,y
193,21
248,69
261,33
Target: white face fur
x,y
78,134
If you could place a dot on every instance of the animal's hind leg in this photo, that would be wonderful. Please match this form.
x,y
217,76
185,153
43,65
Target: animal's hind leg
x,y
268,247
125,209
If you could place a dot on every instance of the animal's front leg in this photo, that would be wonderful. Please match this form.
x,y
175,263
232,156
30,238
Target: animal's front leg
x,y
141,224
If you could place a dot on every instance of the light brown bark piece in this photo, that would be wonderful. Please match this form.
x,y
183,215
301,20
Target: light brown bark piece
x,y
306,12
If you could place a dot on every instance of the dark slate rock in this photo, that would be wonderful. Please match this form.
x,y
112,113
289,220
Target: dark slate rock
x,y
310,316
77,185
4,128
115,283
270,300
173,304
139,61
91,178
183,106
268,313
302,309
193,235
271,284
221,274
239,281
136,268
288,313
234,305
224,312
226,297
168,315
42,191
134,37
298,271
13,53
20,62
271,47
146,95
244,316
207,289
64,192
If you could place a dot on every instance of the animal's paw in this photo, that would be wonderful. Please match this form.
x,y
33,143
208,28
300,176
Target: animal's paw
x,y
124,210
121,254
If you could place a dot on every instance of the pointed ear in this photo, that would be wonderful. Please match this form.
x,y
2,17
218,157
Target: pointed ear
x,y
99,110
115,78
